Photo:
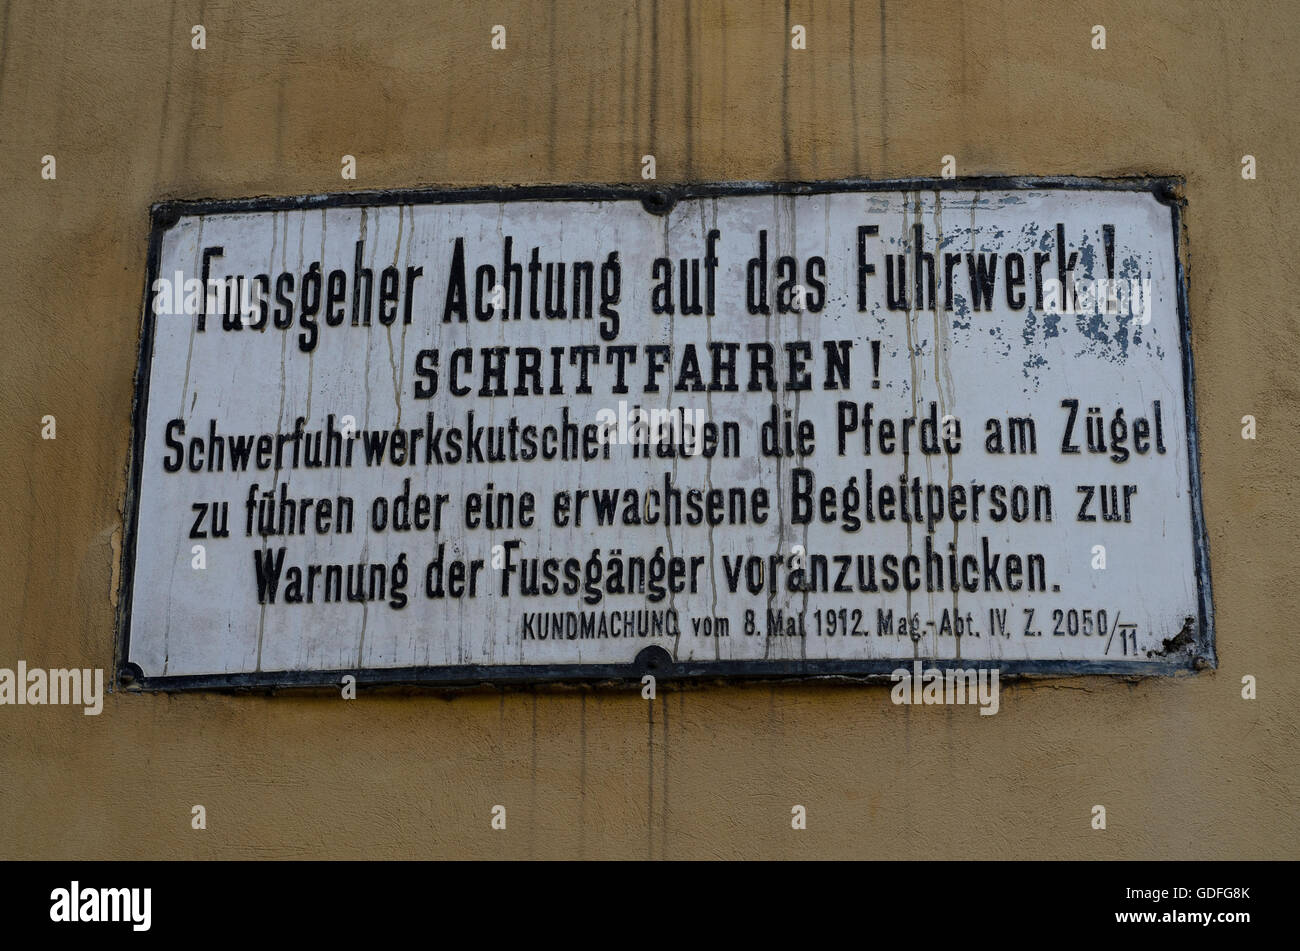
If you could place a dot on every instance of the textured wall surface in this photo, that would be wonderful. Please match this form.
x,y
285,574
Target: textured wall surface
x,y
1185,766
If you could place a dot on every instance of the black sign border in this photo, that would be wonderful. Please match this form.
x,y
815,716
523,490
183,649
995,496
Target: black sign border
x,y
657,199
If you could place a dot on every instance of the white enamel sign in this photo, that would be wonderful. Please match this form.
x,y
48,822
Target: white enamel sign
x,y
750,430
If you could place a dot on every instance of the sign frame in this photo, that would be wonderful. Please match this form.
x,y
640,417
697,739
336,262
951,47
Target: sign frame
x,y
1193,649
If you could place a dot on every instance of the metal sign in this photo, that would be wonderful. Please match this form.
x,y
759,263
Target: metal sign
x,y
733,430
